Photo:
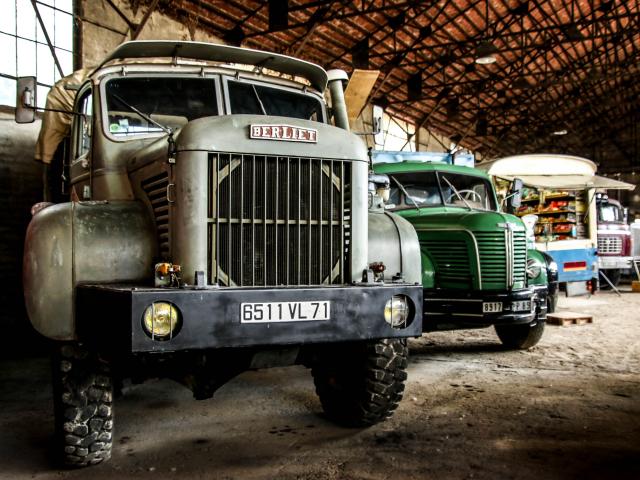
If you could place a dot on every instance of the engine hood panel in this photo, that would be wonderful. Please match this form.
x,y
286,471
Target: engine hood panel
x,y
456,218
231,133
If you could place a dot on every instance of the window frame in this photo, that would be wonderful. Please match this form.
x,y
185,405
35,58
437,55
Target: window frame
x,y
227,100
79,120
104,114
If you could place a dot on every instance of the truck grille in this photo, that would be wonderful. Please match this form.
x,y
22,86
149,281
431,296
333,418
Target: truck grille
x,y
451,262
156,189
453,265
276,220
609,245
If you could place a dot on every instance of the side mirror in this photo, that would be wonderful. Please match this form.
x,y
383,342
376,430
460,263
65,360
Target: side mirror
x,y
625,215
514,199
26,101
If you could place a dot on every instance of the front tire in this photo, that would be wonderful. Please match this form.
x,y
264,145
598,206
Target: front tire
x,y
361,384
83,406
520,337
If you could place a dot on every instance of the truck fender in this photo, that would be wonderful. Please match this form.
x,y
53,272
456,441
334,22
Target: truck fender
x,y
394,242
82,242
428,271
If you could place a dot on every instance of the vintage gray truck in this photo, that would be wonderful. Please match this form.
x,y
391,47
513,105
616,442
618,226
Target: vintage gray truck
x,y
219,220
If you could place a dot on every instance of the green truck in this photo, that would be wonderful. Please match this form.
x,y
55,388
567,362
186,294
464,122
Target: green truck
x,y
477,270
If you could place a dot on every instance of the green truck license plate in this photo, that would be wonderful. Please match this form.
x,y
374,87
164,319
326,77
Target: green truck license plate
x,y
521,306
285,311
491,307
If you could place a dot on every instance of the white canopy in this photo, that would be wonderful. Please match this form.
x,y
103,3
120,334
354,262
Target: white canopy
x,y
553,171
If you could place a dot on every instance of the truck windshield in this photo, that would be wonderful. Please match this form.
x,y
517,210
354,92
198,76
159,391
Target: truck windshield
x,y
457,190
254,99
170,101
608,212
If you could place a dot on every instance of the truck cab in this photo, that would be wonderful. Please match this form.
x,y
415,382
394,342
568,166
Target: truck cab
x,y
218,221
614,238
477,270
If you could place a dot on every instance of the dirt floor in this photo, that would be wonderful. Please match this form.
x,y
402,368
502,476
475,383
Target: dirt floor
x,y
568,408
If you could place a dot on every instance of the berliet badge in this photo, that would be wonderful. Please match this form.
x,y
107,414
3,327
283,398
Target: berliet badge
x,y
285,133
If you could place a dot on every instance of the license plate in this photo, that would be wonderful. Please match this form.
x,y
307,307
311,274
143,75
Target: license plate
x,y
285,311
521,306
491,307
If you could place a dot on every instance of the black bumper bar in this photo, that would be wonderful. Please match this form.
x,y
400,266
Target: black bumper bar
x,y
211,318
451,309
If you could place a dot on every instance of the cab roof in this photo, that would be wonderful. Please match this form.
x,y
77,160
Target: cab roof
x,y
315,74
419,166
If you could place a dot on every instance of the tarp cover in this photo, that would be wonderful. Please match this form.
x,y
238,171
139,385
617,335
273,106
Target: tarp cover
x,y
55,125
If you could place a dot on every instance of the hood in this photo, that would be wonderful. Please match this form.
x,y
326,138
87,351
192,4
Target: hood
x,y
231,133
459,219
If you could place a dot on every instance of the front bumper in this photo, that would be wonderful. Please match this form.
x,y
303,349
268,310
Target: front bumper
x,y
452,310
608,263
111,315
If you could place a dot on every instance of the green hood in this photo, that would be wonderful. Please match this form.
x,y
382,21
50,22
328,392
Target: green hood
x,y
472,249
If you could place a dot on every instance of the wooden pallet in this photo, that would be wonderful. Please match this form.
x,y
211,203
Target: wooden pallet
x,y
568,318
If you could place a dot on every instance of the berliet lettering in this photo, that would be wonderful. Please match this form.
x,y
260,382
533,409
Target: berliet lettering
x,y
287,133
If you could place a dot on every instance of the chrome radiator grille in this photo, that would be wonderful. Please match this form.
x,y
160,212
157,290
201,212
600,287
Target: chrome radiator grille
x,y
609,244
276,220
156,189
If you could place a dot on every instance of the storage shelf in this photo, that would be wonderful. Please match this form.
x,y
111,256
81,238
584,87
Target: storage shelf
x,y
553,212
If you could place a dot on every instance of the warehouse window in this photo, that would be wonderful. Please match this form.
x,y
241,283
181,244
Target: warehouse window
x,y
395,135
24,45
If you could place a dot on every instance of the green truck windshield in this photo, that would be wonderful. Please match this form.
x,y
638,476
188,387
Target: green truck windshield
x,y
436,189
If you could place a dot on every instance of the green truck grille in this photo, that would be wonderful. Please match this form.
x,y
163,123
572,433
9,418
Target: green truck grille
x,y
451,260
455,258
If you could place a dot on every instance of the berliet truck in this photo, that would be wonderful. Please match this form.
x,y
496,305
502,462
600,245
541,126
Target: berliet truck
x,y
218,221
477,269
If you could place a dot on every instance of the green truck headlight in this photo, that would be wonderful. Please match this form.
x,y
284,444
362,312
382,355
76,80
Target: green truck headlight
x,y
533,268
397,311
161,320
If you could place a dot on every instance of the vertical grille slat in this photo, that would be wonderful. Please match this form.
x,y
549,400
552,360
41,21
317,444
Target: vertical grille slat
x,y
283,220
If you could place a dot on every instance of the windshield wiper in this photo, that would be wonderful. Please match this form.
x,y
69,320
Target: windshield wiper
x,y
406,195
264,111
144,116
456,192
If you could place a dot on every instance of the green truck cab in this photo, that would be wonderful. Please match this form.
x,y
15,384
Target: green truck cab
x,y
477,270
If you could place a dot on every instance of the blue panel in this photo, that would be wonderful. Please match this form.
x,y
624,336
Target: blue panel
x,y
587,255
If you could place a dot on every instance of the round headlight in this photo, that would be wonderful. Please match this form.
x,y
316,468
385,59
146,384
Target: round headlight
x,y
161,320
533,268
397,311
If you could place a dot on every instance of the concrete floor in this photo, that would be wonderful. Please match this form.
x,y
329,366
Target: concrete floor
x,y
569,408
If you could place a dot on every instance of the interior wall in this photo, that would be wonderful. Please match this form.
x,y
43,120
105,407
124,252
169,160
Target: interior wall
x,y
102,28
20,188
